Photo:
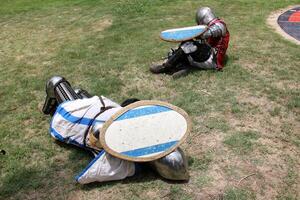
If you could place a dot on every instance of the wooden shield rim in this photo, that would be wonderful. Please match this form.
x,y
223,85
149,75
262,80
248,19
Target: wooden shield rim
x,y
176,41
132,106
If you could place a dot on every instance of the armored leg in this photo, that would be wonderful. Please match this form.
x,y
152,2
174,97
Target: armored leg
x,y
58,90
181,73
172,166
173,60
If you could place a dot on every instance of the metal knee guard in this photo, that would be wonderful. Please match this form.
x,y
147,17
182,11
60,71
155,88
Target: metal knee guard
x,y
58,90
173,166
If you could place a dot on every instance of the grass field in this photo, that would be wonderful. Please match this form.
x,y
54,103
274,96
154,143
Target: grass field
x,y
245,142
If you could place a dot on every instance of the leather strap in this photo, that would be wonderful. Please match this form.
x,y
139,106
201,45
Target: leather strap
x,y
102,110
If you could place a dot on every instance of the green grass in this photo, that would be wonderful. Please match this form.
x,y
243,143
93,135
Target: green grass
x,y
201,162
204,181
241,142
106,47
217,124
238,194
290,179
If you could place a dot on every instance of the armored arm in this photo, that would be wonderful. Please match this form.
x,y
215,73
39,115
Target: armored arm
x,y
216,30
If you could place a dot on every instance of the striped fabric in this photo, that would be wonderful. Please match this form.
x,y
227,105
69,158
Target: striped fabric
x,y
73,118
69,124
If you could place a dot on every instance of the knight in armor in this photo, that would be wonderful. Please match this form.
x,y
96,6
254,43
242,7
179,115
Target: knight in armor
x,y
208,51
77,118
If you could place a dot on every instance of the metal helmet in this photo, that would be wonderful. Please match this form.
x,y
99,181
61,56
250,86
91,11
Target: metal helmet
x,y
51,101
173,166
58,90
52,83
204,16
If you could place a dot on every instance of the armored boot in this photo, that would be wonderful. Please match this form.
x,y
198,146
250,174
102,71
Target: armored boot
x,y
173,166
156,69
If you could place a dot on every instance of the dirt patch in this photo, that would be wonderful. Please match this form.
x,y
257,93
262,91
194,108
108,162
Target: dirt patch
x,y
272,21
93,194
287,85
269,118
268,159
102,24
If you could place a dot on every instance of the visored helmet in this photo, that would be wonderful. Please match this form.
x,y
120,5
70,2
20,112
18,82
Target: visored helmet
x,y
204,16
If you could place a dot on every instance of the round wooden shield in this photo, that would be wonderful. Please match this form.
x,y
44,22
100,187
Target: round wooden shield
x,y
145,131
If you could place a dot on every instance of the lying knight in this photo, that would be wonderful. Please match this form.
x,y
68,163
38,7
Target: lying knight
x,y
206,51
77,120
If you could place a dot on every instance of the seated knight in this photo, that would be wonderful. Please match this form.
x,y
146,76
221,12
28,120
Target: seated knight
x,y
207,51
77,118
